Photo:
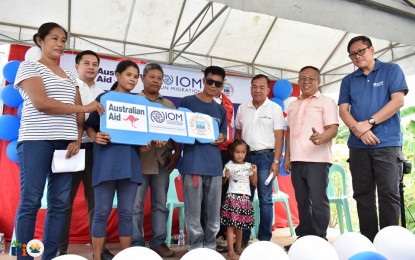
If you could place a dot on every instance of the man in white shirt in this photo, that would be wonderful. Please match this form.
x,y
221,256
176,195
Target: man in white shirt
x,y
87,66
260,124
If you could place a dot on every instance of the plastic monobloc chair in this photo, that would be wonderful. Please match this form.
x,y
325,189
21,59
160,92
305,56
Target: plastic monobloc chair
x,y
277,196
172,203
283,197
341,202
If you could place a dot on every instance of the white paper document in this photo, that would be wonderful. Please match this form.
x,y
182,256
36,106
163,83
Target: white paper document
x,y
74,164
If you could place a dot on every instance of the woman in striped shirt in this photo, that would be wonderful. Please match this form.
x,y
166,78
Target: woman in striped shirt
x,y
52,119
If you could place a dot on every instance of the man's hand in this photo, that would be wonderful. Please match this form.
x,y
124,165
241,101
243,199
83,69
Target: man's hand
x,y
275,168
361,128
369,138
316,137
220,139
287,165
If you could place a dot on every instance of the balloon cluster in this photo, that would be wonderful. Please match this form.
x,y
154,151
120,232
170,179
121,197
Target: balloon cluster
x,y
282,96
10,124
282,91
392,243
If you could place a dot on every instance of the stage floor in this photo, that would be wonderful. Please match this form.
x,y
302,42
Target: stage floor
x,y
281,236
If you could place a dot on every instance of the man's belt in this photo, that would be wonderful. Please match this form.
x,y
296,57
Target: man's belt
x,y
262,151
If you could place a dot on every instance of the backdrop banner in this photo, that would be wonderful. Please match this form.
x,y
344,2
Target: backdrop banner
x,y
177,82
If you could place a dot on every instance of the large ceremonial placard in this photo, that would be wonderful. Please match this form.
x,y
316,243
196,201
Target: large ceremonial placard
x,y
132,119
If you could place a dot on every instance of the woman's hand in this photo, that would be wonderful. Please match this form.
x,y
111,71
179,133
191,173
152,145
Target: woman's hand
x,y
102,138
94,106
73,149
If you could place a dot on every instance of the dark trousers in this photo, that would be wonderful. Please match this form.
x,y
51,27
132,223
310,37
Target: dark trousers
x,y
86,178
310,180
376,169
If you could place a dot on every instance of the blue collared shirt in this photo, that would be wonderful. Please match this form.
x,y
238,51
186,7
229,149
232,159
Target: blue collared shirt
x,y
367,94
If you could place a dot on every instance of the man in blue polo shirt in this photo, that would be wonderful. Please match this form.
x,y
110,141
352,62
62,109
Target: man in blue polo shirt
x,y
202,166
369,103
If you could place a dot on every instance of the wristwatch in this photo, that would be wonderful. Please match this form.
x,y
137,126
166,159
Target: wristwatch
x,y
277,162
372,121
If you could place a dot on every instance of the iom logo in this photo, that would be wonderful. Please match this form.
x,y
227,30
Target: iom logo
x,y
168,79
156,116
168,116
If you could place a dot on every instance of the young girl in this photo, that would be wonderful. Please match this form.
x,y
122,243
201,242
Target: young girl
x,y
237,212
117,167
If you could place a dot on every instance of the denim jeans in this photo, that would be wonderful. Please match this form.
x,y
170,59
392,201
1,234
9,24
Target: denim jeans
x,y
104,197
35,160
263,162
209,191
159,184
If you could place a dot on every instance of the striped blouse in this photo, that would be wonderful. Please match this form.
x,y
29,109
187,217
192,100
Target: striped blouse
x,y
36,125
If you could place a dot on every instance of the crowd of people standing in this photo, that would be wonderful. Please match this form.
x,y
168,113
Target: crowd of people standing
x,y
62,112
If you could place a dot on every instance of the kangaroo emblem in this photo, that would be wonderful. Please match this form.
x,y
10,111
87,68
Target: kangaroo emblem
x,y
132,119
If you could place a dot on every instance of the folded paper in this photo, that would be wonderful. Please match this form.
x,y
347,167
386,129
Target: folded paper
x,y
74,164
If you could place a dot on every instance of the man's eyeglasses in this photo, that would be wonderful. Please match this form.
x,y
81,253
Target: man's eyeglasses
x,y
304,79
361,52
218,84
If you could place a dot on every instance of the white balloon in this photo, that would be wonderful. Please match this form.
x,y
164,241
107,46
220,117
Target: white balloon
x,y
395,243
312,248
202,254
287,102
137,252
264,250
351,243
70,257
33,54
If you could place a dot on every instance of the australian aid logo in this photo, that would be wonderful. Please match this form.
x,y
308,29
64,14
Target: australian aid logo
x,y
33,248
126,116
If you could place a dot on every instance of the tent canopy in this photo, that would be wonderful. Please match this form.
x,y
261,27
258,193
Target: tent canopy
x,y
246,37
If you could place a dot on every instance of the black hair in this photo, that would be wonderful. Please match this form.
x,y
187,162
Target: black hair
x,y
122,66
152,66
310,67
215,70
234,144
362,38
79,56
45,29
258,76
